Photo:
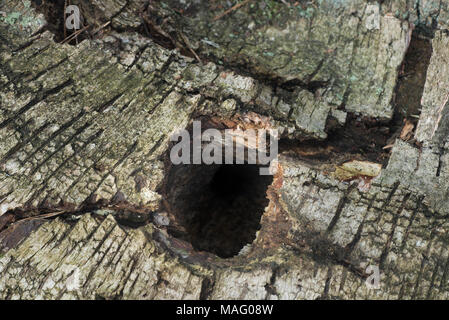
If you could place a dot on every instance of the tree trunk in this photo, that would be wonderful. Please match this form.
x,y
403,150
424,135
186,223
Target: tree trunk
x,y
91,207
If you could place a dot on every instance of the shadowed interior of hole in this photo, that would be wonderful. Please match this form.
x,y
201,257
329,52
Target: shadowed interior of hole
x,y
217,208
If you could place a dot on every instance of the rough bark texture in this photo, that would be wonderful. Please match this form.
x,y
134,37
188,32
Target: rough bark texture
x,y
86,128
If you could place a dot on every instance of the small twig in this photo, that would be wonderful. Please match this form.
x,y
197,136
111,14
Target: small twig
x,y
145,27
43,216
75,34
235,7
158,30
101,27
178,45
187,43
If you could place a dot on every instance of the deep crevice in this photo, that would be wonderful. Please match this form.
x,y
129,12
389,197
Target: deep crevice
x,y
361,138
217,207
412,78
364,138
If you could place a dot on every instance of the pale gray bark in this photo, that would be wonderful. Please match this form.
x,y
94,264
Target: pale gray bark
x,y
88,123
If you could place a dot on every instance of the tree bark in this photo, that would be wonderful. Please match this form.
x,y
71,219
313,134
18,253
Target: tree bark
x,y
85,131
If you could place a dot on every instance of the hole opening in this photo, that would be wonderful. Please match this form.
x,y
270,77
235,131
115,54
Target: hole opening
x,y
216,207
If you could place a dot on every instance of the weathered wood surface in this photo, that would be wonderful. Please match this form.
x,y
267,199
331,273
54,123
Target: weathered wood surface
x,y
83,123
